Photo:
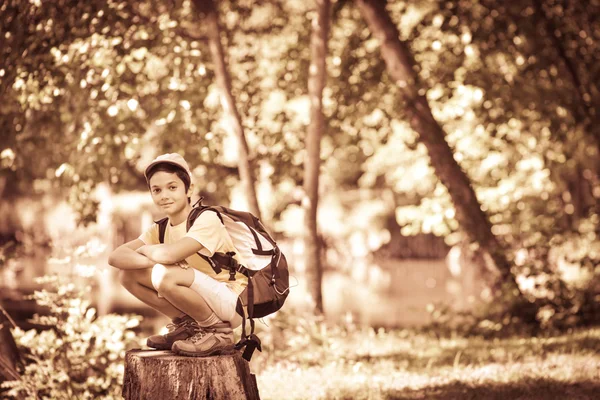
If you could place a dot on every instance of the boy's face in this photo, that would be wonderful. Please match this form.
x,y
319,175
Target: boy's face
x,y
168,192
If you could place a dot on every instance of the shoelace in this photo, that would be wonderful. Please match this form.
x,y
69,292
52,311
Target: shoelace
x,y
200,333
172,326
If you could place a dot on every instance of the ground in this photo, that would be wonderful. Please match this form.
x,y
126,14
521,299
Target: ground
x,y
409,365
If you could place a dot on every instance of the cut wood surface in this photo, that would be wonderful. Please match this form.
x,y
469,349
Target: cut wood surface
x,y
163,375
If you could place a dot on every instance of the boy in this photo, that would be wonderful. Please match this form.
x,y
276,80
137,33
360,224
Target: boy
x,y
172,278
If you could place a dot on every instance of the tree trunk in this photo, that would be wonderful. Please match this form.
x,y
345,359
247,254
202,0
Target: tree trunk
x,y
312,163
469,215
10,357
158,375
586,115
211,20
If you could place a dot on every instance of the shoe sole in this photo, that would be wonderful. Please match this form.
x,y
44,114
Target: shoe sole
x,y
158,346
217,352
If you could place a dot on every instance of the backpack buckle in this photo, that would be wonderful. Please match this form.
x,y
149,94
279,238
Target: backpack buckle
x,y
250,343
233,265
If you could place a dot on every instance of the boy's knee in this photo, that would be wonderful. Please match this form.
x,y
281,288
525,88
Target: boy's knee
x,y
162,280
130,277
125,277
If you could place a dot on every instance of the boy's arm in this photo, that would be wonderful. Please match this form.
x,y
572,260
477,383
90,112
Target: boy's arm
x,y
170,253
207,232
126,256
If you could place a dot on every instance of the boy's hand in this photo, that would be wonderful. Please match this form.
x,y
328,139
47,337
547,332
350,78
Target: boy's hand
x,y
153,252
150,251
127,256
170,253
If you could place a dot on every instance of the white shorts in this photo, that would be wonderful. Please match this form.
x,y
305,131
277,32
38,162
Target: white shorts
x,y
219,297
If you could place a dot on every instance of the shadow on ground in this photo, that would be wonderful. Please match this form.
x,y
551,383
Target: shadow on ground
x,y
527,389
481,353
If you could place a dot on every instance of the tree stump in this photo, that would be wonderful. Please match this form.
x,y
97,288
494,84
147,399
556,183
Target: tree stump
x,y
163,375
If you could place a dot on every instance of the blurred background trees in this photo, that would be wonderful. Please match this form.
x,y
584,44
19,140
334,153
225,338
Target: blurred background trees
x,y
471,127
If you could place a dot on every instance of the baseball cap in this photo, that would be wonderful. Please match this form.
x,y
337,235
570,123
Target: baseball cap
x,y
169,158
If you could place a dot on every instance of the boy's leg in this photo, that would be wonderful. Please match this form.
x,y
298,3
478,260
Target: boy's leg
x,y
174,284
139,283
216,335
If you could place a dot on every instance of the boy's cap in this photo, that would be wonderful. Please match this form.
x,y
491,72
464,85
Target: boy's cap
x,y
169,158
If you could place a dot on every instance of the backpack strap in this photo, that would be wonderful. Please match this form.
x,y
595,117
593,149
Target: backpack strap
x,y
227,261
250,342
210,262
219,260
199,202
275,264
162,228
257,240
195,213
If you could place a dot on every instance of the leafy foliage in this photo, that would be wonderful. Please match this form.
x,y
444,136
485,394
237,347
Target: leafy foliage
x,y
77,354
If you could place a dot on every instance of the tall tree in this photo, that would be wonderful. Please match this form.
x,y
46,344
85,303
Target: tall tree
x,y
211,19
312,163
586,89
400,67
585,104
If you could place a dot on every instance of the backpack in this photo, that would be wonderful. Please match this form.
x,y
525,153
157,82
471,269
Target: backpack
x,y
267,269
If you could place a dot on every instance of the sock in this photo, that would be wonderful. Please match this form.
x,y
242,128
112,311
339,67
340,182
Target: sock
x,y
210,321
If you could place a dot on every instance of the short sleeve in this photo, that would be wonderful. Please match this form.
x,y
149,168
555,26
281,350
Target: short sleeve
x,y
150,236
209,232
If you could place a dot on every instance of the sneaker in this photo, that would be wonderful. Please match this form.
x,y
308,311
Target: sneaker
x,y
209,341
180,329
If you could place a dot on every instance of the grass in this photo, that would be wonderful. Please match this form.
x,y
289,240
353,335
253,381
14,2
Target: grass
x,y
407,365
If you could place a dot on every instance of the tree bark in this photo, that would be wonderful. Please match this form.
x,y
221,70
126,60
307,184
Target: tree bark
x,y
158,375
10,357
312,163
469,214
247,176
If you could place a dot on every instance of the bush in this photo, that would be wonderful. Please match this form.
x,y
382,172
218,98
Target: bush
x,y
79,355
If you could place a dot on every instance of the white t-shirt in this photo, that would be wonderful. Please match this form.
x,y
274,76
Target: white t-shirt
x,y
212,235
